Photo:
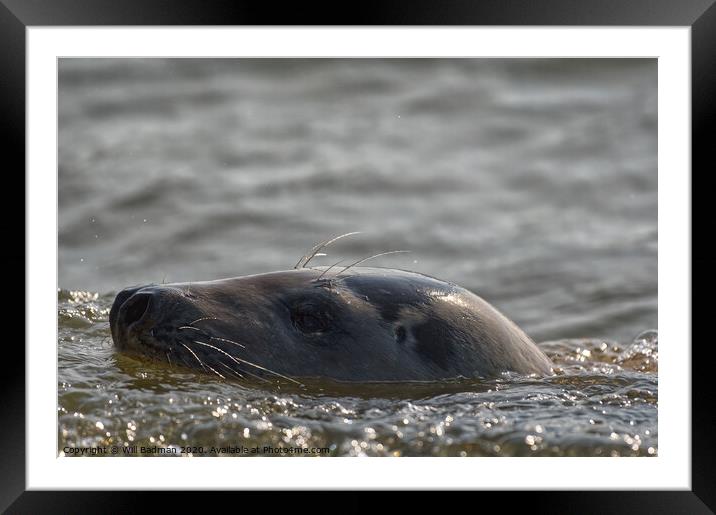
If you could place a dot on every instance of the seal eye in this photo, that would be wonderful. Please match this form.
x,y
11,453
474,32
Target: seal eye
x,y
309,320
308,323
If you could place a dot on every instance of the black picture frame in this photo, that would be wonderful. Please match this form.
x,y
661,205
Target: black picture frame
x,y
699,15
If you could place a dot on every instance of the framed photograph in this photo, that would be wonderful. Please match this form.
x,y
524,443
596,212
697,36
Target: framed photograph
x,y
407,247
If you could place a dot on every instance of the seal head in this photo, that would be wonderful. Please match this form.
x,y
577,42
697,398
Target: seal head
x,y
374,324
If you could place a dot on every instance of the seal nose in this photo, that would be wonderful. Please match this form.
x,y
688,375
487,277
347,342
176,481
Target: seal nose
x,y
136,307
146,315
119,301
132,307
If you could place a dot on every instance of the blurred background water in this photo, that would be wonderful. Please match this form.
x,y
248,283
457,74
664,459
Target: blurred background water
x,y
532,182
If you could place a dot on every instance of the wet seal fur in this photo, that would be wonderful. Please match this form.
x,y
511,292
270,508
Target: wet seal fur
x,y
362,325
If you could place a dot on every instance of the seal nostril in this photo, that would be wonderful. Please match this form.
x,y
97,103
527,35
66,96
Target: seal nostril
x,y
135,308
400,334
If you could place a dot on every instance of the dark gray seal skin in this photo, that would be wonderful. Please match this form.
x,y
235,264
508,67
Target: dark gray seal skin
x,y
371,325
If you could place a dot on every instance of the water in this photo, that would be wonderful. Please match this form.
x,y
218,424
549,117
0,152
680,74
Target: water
x,y
531,182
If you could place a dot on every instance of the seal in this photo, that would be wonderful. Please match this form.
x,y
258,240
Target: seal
x,y
356,323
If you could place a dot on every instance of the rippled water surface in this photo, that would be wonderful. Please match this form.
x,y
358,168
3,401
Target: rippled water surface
x,y
531,182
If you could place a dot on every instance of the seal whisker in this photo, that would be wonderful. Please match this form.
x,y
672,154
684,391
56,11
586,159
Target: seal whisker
x,y
190,327
239,360
195,356
218,374
231,370
247,373
370,257
329,268
212,337
202,318
287,378
227,341
315,250
203,365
